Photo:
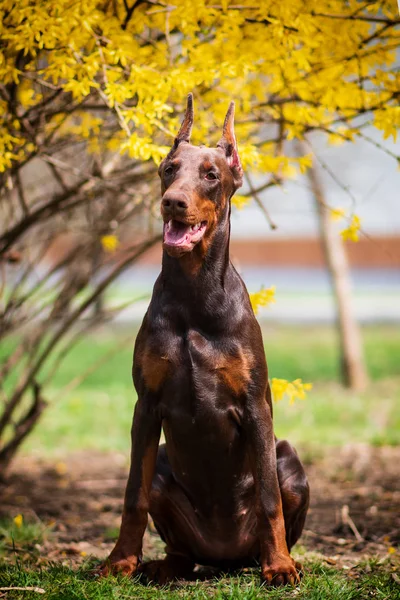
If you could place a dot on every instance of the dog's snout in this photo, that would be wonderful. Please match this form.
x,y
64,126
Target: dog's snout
x,y
174,204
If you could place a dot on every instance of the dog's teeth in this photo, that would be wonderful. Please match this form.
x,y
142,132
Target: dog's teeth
x,y
195,227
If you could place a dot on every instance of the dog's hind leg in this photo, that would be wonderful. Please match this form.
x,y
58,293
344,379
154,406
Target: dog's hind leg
x,y
294,490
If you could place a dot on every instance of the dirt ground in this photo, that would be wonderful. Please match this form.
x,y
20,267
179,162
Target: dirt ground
x,y
355,504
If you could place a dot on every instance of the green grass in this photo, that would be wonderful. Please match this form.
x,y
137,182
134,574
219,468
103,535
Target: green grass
x,y
23,566
22,535
98,414
320,583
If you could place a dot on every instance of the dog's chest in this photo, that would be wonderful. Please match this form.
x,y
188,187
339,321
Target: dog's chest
x,y
199,378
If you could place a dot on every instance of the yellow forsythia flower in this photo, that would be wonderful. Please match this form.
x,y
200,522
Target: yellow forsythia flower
x,y
305,162
391,550
337,213
262,298
292,389
352,231
26,93
240,201
109,242
18,521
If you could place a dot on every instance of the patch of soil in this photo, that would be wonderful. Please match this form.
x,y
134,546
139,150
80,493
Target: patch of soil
x,y
355,503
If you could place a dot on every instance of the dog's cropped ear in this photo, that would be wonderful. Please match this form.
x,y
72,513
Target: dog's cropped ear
x,y
187,124
228,144
186,128
184,133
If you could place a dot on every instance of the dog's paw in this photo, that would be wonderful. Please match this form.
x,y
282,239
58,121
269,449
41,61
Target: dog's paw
x,y
157,571
284,572
124,566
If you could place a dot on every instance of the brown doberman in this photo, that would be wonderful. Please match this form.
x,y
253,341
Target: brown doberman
x,y
222,491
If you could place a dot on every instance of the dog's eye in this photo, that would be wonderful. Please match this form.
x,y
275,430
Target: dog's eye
x,y
169,170
211,176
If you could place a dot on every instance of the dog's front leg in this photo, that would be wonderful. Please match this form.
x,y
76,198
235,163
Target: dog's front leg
x,y
146,429
277,566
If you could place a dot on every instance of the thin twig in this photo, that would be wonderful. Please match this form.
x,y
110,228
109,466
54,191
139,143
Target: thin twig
x,y
74,383
38,590
257,200
57,176
326,168
21,193
347,520
357,18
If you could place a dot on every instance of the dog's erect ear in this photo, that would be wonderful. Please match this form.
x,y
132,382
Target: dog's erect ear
x,y
187,123
228,144
186,127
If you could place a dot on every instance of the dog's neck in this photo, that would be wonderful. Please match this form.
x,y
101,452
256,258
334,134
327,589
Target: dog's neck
x,y
198,272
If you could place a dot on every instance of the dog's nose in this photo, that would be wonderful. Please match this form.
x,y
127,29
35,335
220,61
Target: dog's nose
x,y
174,204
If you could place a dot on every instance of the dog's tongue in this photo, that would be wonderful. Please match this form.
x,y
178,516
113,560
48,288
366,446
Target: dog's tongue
x,y
176,233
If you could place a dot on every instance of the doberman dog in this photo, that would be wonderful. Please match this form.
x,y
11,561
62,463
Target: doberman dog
x,y
222,491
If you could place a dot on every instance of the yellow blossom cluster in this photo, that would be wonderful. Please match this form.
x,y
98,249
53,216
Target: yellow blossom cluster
x,y
109,242
262,298
351,233
240,201
303,65
292,389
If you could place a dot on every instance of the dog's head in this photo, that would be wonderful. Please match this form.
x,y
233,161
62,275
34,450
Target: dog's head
x,y
197,184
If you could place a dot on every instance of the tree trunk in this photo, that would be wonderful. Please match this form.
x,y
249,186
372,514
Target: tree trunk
x,y
353,368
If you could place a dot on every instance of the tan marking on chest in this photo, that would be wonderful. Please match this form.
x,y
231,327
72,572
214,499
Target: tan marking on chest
x,y
155,369
235,371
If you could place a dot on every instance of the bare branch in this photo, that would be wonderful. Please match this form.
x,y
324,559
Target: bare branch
x,y
21,193
23,427
368,19
66,325
258,201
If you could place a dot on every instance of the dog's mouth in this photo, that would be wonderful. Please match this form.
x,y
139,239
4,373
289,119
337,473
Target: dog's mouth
x,y
183,235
